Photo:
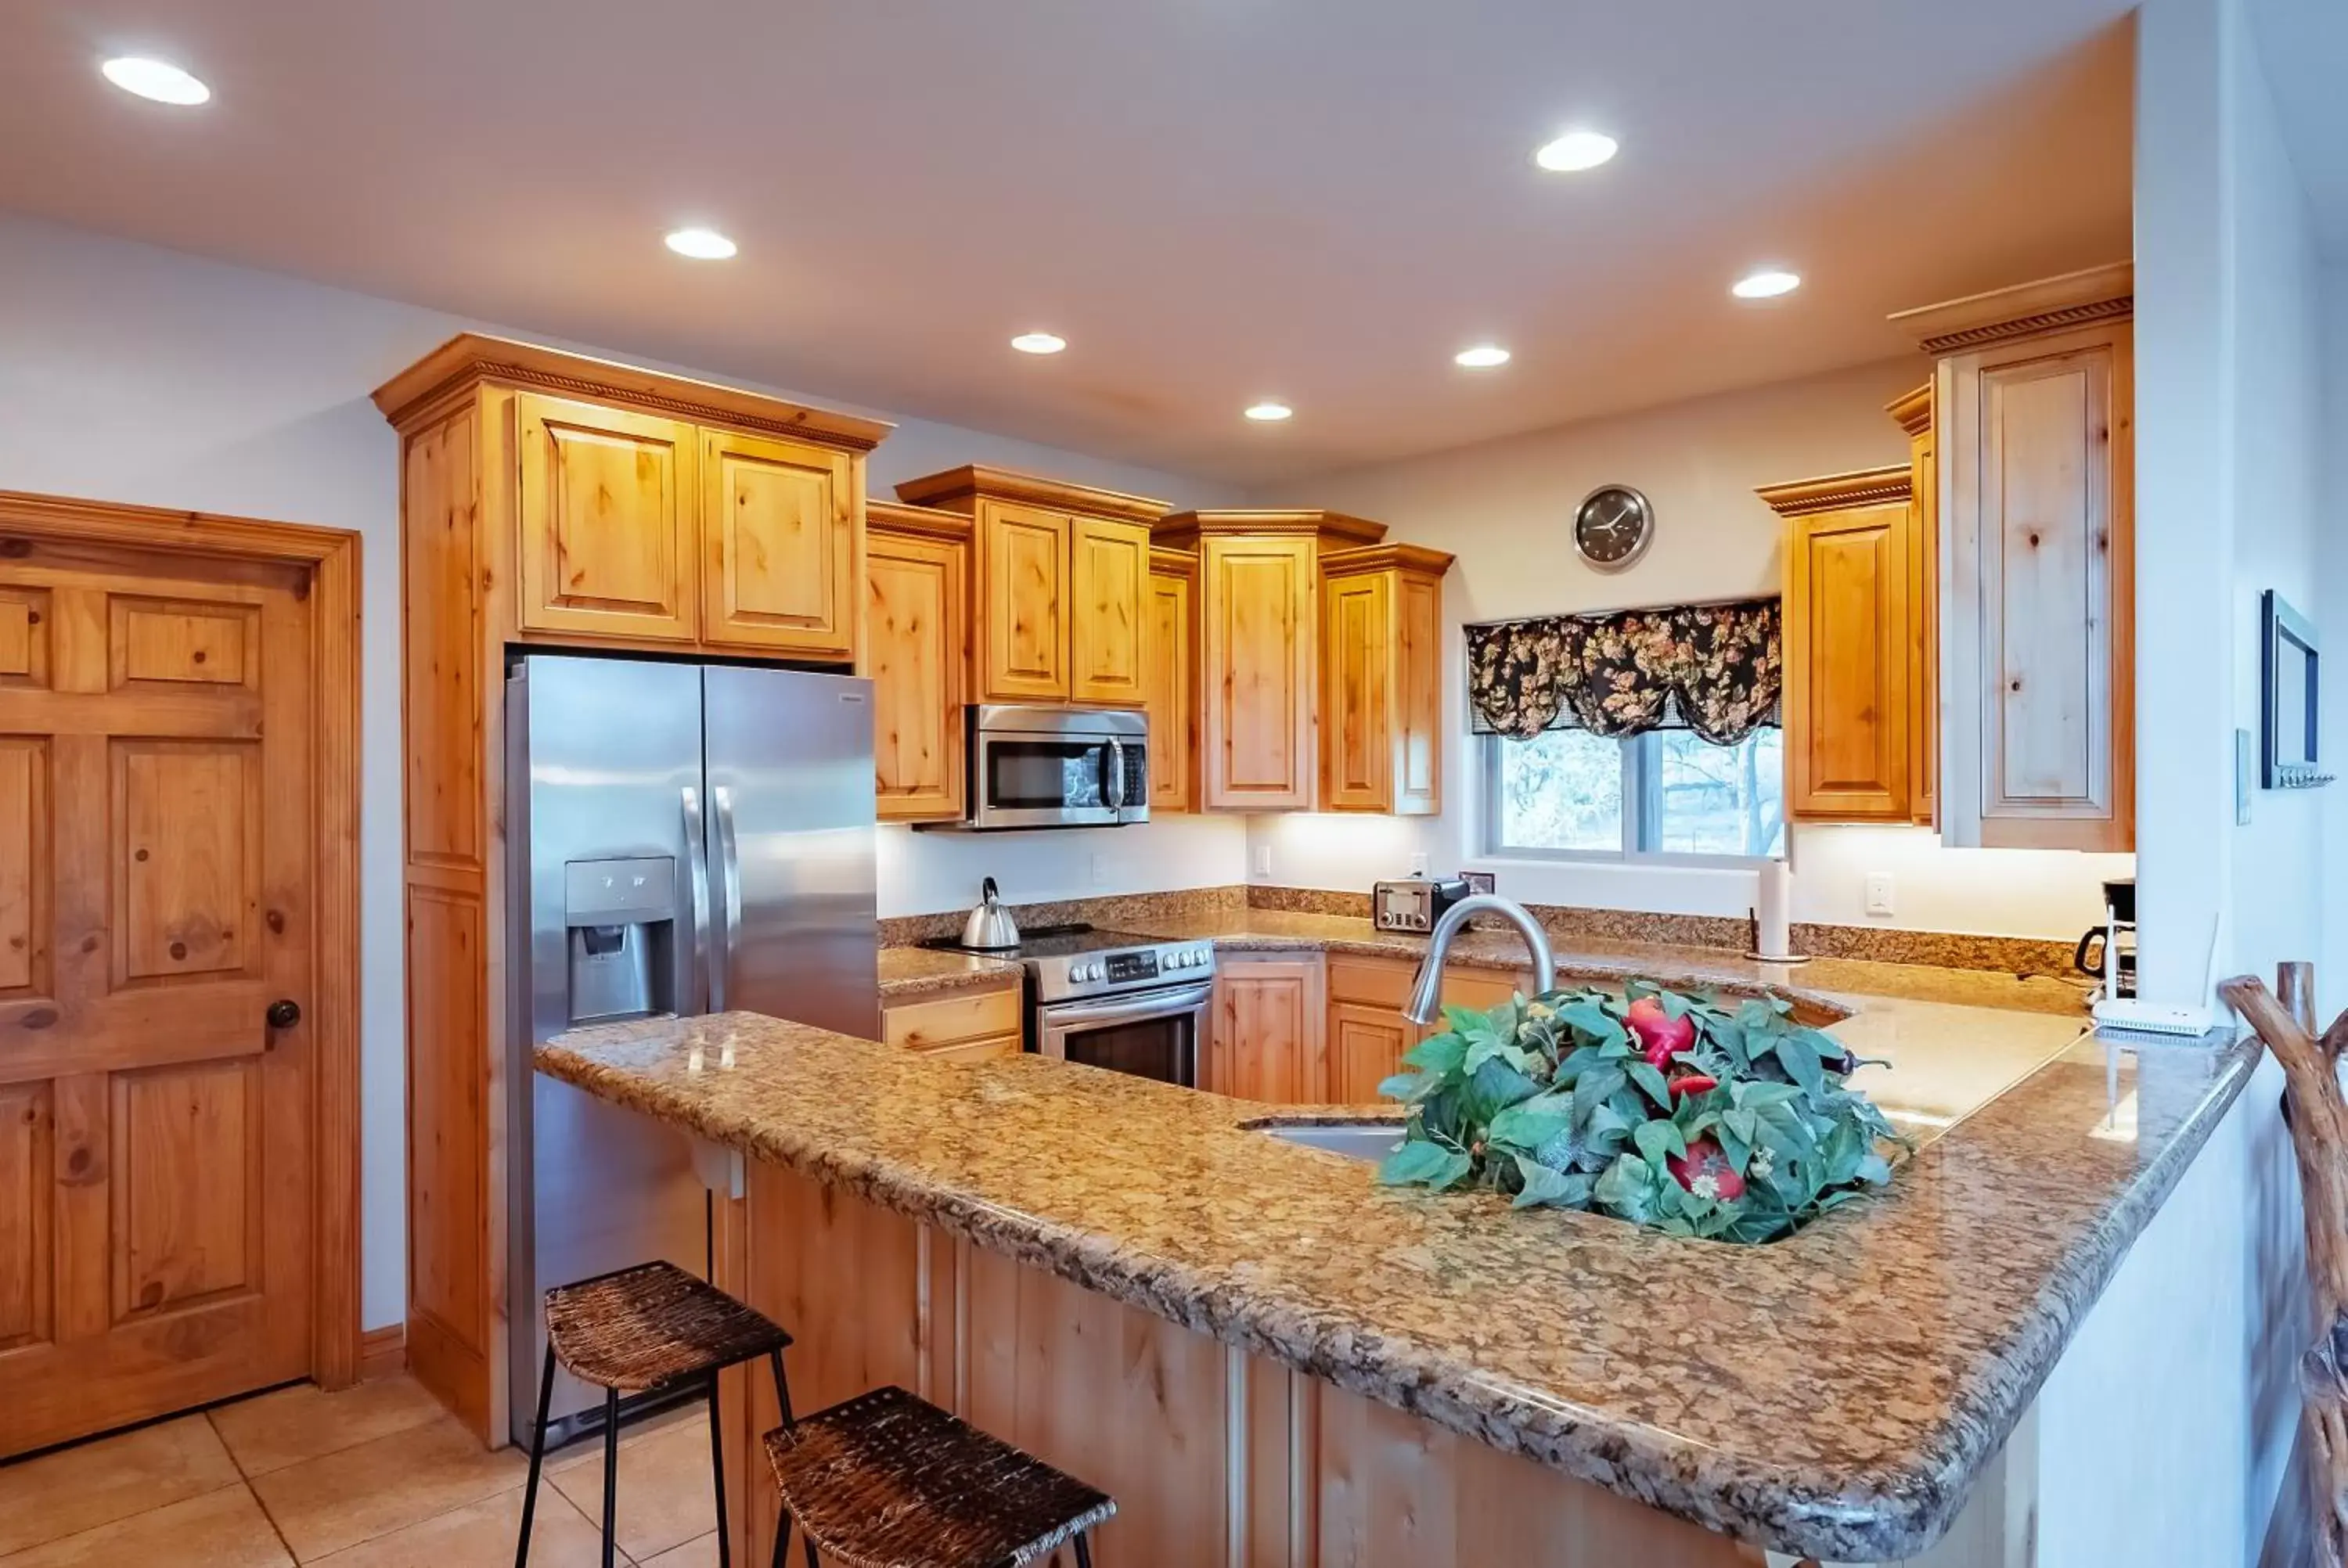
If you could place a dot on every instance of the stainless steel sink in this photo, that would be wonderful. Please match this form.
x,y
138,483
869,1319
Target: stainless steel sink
x,y
1355,1140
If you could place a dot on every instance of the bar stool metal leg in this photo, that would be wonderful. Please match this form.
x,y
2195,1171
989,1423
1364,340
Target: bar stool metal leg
x,y
1083,1553
536,1460
782,1388
782,1538
611,1476
717,1476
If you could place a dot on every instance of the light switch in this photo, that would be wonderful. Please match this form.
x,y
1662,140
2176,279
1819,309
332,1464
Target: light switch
x,y
1418,864
1263,860
1879,893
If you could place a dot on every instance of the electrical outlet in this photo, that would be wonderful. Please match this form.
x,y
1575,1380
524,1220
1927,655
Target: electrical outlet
x,y
1263,860
1418,864
1100,870
1879,893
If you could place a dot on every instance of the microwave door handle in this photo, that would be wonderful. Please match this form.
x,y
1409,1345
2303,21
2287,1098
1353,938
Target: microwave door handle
x,y
1113,791
696,881
728,871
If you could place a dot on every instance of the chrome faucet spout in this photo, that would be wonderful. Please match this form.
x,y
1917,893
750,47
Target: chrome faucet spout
x,y
1426,986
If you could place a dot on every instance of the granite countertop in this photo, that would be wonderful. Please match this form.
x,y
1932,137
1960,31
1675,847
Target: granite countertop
x,y
1833,1395
921,974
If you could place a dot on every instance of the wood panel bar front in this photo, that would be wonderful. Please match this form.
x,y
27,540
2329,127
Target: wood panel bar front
x,y
1215,1455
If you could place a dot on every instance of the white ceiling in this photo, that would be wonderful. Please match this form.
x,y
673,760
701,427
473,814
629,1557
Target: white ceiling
x,y
2303,46
1214,201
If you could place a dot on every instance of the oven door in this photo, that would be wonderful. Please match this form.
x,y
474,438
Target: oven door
x,y
1150,1034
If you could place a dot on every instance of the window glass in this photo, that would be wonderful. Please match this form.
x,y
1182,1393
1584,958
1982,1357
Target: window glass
x,y
1567,792
1718,800
1560,790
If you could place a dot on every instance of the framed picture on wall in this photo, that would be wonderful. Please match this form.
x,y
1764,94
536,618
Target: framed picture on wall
x,y
2288,678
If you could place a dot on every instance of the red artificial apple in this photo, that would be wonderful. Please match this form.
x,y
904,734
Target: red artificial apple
x,y
1661,1036
1705,1171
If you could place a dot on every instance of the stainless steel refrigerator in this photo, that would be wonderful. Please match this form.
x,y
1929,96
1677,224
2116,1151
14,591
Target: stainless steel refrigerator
x,y
686,838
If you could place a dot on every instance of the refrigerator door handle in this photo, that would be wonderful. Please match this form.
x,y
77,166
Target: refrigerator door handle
x,y
696,861
729,872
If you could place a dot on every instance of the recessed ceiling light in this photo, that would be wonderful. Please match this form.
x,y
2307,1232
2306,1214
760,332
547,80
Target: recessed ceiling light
x,y
1765,284
1039,343
701,244
1483,356
1269,411
158,79
1575,151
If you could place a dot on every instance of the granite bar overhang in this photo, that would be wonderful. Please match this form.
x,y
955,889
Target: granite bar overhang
x,y
1833,1395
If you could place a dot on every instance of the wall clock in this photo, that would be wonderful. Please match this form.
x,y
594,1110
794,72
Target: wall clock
x,y
1613,527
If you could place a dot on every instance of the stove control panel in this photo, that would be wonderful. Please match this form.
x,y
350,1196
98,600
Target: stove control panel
x,y
1122,969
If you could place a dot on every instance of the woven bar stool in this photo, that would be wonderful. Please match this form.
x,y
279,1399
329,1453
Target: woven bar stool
x,y
635,1331
886,1480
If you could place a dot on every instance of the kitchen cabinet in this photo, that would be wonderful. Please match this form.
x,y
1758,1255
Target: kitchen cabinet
x,y
1259,630
2033,421
1170,694
780,573
1059,584
970,1026
1267,1041
1914,414
1368,1033
550,499
1381,661
917,656
1849,696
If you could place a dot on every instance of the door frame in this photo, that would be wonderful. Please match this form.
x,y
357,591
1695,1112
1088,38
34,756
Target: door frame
x,y
333,556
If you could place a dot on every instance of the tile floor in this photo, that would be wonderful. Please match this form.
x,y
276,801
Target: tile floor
x,y
377,1476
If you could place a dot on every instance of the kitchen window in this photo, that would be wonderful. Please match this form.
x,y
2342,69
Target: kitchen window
x,y
1667,793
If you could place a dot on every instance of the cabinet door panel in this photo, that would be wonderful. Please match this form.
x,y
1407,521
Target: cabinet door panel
x,y
1366,1047
607,536
1022,598
1924,619
1267,1044
1108,578
1258,662
1847,665
1171,692
778,522
1356,722
914,654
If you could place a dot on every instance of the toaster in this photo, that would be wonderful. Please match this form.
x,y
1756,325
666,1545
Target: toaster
x,y
1414,903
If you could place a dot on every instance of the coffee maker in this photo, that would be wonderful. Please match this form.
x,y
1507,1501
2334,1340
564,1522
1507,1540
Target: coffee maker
x,y
2108,952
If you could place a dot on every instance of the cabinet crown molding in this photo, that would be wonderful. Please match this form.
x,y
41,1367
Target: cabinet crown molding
x,y
2083,298
419,393
1183,529
1864,487
1386,558
960,490
1168,562
1912,410
930,522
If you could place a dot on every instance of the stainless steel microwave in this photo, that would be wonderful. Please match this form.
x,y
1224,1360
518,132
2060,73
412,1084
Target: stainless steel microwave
x,y
1057,767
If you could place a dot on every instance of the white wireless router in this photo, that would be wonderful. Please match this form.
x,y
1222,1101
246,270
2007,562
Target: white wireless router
x,y
2161,1017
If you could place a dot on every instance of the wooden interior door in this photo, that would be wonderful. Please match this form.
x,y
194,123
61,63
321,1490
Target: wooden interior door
x,y
155,899
607,521
1848,667
1022,604
914,619
778,532
1108,574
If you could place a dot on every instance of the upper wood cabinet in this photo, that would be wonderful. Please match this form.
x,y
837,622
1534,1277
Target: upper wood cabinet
x,y
779,531
1259,665
1381,673
555,500
1914,414
2033,416
1849,689
1170,661
606,521
916,654
1060,576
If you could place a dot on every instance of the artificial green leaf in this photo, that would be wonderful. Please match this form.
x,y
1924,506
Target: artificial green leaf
x,y
1404,1086
1650,1079
1414,1163
1591,1018
1455,1168
1592,1089
1625,1182
1675,1006
1657,1140
1873,1168
1529,1123
1800,1057
1437,1053
1545,1188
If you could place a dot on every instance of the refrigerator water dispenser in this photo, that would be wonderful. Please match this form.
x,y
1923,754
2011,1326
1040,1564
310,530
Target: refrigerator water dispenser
x,y
622,921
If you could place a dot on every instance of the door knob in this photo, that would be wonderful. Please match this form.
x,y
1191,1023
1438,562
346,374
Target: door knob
x,y
284,1013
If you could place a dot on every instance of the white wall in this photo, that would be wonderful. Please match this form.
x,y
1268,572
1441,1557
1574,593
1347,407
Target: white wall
x,y
130,374
1504,508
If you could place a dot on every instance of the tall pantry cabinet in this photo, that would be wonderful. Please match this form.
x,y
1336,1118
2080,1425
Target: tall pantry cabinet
x,y
552,500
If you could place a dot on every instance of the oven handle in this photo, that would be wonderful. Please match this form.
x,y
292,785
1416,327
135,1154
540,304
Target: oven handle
x,y
1116,1011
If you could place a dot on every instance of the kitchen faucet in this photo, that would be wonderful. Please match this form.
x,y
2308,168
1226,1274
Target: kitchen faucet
x,y
1425,987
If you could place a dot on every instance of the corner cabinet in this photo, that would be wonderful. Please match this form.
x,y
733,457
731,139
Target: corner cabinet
x,y
1381,669
2033,421
1059,581
1850,698
1170,659
917,655
552,500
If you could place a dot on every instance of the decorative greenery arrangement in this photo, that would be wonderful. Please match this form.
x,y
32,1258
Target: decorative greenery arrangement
x,y
1660,1109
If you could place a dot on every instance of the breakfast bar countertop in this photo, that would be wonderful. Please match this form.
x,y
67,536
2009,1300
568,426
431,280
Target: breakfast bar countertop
x,y
1832,1395
920,974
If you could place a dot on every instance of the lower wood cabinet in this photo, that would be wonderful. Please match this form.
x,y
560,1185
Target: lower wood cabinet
x,y
1266,1041
969,1026
917,655
1366,1045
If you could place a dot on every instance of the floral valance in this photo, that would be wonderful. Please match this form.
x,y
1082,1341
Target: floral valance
x,y
1715,669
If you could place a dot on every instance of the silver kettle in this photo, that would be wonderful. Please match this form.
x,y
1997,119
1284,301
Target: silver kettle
x,y
989,925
